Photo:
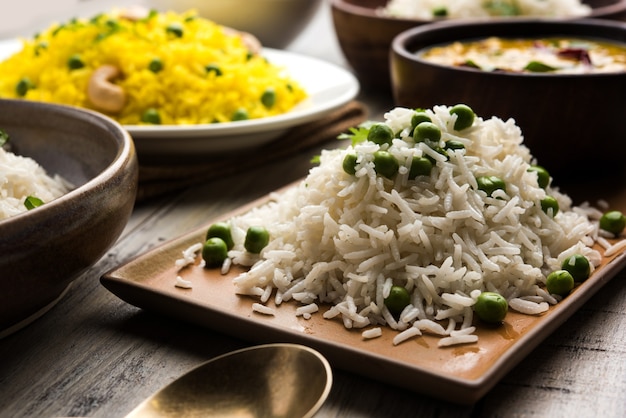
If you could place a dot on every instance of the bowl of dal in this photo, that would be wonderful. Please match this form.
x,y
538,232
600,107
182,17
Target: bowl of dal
x,y
68,180
563,83
365,28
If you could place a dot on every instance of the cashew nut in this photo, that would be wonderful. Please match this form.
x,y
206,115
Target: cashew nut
x,y
134,13
250,41
102,93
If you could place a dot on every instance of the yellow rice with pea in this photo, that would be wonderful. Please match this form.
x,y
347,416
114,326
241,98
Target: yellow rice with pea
x,y
174,69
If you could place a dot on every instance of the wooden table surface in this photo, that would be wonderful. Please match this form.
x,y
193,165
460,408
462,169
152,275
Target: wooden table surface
x,y
95,355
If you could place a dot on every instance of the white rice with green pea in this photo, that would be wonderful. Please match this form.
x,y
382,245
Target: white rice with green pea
x,y
21,177
343,240
454,9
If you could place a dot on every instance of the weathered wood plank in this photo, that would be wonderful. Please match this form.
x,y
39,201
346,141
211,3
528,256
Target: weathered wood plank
x,y
94,355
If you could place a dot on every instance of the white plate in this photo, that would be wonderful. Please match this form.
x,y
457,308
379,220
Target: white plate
x,y
329,87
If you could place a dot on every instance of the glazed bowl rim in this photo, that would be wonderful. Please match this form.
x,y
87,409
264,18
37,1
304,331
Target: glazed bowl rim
x,y
125,152
400,42
617,7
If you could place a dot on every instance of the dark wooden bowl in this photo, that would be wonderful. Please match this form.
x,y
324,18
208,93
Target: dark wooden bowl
x,y
43,250
365,36
573,124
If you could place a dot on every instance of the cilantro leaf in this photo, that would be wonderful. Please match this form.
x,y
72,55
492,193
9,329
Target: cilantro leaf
x,y
32,202
357,134
4,137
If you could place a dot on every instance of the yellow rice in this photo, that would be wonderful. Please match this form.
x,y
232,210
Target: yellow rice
x,y
183,92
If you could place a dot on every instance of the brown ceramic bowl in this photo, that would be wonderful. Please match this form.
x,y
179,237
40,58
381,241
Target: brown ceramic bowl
x,y
43,250
365,36
573,124
276,23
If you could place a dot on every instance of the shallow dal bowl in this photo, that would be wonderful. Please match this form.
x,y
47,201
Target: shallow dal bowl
x,y
365,36
573,124
276,23
43,250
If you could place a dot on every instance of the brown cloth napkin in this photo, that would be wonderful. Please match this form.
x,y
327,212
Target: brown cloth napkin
x,y
156,180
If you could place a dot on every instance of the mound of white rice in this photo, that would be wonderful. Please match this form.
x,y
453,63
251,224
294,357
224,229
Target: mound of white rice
x,y
343,240
424,9
21,177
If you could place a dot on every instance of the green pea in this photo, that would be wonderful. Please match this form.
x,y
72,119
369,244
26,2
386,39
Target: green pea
x,y
75,62
397,300
214,252
156,65
543,177
440,12
491,307
175,29
23,86
419,117
464,116
257,237
548,204
268,98
420,166
240,114
32,202
559,282
503,8
490,184
578,266
221,230
151,116
4,137
385,164
94,19
58,29
427,132
349,163
613,221
40,47
213,68
454,145
380,134
112,24
438,150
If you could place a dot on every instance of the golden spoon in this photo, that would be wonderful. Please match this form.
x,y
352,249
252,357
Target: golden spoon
x,y
273,380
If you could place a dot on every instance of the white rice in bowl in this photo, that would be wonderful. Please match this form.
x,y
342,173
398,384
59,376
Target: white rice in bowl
x,y
21,177
343,240
455,9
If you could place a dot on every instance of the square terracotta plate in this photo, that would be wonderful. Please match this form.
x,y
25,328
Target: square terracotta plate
x,y
459,374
